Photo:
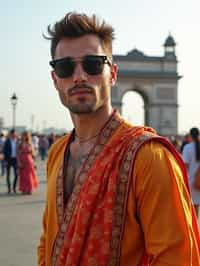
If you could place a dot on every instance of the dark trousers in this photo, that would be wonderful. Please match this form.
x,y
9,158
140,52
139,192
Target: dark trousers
x,y
43,153
11,163
2,163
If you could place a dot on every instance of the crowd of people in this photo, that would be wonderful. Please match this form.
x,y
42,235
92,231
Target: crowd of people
x,y
19,152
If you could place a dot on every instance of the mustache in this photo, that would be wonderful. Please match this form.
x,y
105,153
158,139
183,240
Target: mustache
x,y
80,87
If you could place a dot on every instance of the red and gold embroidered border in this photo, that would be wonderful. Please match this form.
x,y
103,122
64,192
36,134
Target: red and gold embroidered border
x,y
123,186
64,215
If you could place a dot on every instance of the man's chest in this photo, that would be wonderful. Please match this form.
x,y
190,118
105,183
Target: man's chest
x,y
74,160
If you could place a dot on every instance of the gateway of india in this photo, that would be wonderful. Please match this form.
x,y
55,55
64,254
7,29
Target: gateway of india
x,y
155,78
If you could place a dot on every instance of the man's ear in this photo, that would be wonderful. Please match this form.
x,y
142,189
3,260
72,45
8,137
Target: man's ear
x,y
114,71
53,76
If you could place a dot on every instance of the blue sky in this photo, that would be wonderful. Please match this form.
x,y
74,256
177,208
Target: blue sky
x,y
142,24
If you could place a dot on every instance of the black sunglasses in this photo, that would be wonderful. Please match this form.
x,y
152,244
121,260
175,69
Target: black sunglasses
x,y
91,64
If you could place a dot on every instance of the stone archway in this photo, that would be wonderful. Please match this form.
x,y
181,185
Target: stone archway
x,y
156,80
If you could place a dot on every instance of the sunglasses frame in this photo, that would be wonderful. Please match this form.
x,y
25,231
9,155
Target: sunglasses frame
x,y
104,58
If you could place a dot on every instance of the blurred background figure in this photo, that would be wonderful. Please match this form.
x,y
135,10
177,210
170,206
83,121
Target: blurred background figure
x,y
176,142
51,139
43,146
10,157
2,162
35,141
27,176
191,157
186,139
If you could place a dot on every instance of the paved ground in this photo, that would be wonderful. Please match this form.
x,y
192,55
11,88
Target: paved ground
x,y
20,223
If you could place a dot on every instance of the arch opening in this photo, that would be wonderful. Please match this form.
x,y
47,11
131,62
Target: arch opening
x,y
133,107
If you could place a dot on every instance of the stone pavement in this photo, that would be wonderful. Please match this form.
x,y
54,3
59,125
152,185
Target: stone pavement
x,y
20,223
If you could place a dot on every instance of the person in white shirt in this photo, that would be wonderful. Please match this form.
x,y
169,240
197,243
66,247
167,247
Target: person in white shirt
x,y
35,141
191,157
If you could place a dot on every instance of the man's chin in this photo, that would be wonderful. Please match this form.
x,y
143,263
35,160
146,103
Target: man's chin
x,y
80,112
81,109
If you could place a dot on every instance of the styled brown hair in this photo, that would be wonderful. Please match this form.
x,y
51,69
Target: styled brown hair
x,y
75,25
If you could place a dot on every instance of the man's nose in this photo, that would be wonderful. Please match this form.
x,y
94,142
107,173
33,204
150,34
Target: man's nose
x,y
79,74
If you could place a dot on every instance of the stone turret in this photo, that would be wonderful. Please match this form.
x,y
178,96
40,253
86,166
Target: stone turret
x,y
169,47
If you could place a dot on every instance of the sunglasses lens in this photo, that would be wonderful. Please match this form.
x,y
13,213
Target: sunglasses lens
x,y
64,68
93,65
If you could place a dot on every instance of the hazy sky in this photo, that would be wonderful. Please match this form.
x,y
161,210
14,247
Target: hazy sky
x,y
143,24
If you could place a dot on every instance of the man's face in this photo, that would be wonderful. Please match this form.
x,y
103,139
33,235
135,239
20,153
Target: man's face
x,y
81,92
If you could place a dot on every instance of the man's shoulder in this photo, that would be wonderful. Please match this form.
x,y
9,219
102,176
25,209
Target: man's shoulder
x,y
137,133
142,137
7,142
146,138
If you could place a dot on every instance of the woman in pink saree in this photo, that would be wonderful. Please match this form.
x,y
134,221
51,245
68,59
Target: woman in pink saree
x,y
28,180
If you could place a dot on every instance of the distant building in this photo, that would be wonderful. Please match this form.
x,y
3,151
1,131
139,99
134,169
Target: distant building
x,y
18,129
1,123
155,78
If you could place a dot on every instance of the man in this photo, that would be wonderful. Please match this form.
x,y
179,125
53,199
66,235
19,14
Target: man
x,y
2,163
43,145
10,157
116,194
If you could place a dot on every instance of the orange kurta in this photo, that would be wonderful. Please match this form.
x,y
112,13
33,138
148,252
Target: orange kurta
x,y
158,214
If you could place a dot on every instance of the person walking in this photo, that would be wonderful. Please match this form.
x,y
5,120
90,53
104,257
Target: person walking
x,y
43,145
191,157
2,162
10,157
112,187
28,180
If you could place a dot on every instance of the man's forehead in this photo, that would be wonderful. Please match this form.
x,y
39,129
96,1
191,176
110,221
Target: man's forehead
x,y
77,47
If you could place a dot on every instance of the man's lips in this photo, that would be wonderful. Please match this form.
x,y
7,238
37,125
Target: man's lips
x,y
80,89
80,92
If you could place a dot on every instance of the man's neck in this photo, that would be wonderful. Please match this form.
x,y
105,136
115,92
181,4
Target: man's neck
x,y
89,125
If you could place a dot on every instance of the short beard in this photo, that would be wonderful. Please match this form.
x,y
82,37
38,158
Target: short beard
x,y
83,107
78,109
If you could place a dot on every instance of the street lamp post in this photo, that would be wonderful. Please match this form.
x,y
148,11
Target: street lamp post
x,y
14,103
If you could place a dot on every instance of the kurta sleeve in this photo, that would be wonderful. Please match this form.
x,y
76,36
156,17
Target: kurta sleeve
x,y
164,208
41,246
41,250
49,224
